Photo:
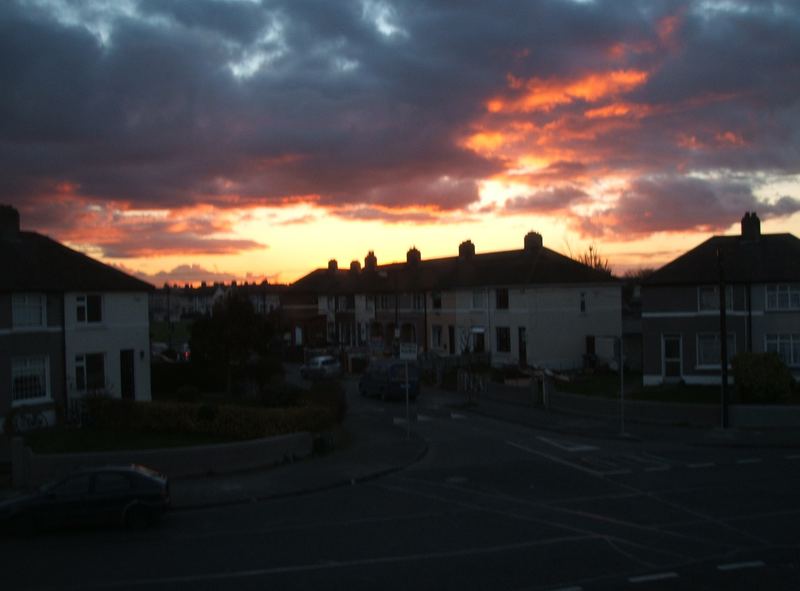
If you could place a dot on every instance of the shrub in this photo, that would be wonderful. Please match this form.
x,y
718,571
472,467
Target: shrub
x,y
327,394
228,421
280,394
761,378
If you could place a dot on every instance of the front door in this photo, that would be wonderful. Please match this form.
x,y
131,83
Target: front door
x,y
523,347
127,375
672,368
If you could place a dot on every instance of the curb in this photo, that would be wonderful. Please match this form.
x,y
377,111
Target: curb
x,y
311,489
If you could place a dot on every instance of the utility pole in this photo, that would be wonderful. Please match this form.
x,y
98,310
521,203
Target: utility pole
x,y
723,339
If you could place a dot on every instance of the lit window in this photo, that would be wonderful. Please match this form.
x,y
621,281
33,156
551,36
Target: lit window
x,y
29,379
89,308
27,310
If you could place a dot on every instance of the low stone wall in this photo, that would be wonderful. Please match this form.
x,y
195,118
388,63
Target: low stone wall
x,y
31,469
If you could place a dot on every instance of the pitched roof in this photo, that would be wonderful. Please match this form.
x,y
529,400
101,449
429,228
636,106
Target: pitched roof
x,y
32,262
515,267
769,258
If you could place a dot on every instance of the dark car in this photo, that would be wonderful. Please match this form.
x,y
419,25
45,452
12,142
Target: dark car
x,y
132,495
386,379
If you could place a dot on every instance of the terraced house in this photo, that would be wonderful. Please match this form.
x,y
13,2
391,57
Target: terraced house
x,y
69,325
681,305
531,306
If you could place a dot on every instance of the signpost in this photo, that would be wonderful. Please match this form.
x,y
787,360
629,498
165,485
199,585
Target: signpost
x,y
408,352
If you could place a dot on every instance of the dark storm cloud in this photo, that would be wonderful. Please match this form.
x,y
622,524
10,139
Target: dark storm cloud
x,y
678,203
363,107
547,201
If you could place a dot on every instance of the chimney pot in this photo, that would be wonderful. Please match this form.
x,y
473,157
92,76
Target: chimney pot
x,y
371,261
533,241
466,249
9,223
413,256
751,226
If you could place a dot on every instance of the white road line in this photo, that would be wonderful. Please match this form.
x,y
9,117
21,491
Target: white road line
x,y
749,461
555,459
655,577
566,445
329,565
701,465
740,565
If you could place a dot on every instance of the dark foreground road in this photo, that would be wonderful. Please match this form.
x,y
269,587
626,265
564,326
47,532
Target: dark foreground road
x,y
492,506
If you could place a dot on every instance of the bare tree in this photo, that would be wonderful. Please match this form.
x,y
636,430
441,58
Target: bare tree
x,y
592,258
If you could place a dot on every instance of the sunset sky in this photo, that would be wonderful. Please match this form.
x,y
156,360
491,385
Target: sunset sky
x,y
190,140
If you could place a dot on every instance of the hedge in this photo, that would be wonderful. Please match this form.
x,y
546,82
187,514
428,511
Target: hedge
x,y
761,378
229,421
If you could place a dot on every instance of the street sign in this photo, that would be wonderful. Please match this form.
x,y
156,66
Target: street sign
x,y
408,351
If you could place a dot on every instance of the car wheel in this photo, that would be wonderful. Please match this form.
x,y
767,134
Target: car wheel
x,y
137,518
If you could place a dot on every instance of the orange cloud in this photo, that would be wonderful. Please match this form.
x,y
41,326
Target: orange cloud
x,y
546,94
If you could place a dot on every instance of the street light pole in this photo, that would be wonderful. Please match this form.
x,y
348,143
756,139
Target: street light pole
x,y
723,340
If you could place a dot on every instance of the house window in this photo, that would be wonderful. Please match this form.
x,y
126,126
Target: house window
x,y
436,298
29,381
383,302
27,310
370,302
787,346
419,301
478,299
90,372
708,349
501,298
90,308
436,335
708,298
783,297
503,339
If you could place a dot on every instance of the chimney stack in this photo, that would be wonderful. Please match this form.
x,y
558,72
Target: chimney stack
x,y
371,261
533,241
9,223
355,267
751,226
333,265
466,249
413,256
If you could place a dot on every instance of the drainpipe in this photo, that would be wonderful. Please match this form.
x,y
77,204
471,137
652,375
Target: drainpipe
x,y
64,351
749,318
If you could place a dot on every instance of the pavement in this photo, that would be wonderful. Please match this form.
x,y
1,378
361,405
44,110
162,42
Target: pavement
x,y
367,448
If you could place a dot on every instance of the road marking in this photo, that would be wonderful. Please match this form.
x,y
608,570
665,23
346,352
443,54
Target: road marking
x,y
749,461
740,565
566,445
701,465
457,416
654,577
555,459
327,565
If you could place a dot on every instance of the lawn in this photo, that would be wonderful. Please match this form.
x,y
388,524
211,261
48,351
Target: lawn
x,y
607,386
74,440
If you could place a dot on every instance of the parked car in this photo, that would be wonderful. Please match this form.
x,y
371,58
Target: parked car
x,y
132,495
321,367
386,379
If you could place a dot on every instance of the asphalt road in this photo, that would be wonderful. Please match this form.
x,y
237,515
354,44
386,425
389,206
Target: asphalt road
x,y
492,506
